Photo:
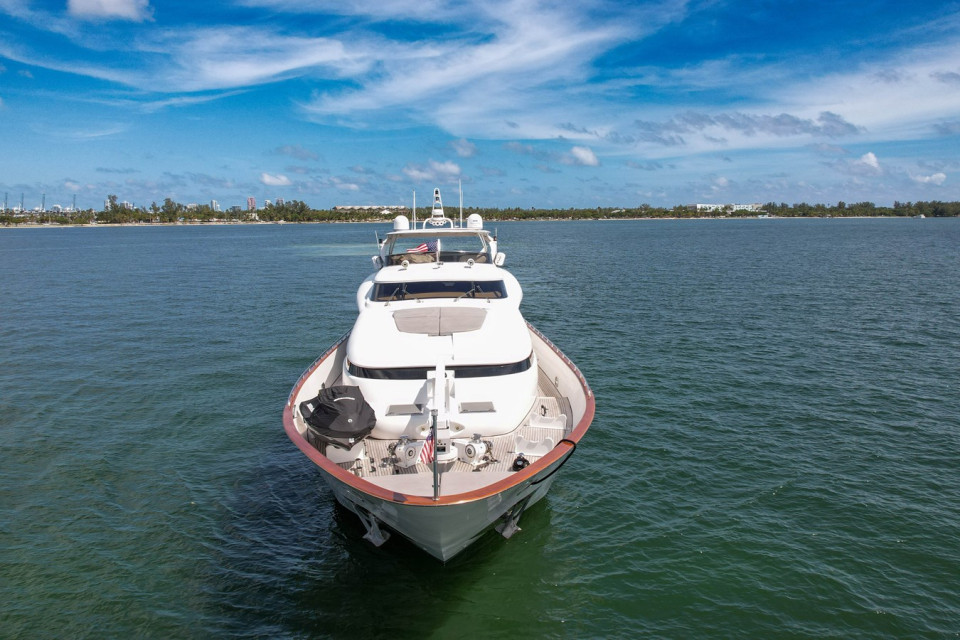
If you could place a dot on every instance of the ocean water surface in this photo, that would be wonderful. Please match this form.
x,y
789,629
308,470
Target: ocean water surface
x,y
776,450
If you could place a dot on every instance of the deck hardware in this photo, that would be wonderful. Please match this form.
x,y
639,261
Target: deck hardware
x,y
436,456
520,462
405,452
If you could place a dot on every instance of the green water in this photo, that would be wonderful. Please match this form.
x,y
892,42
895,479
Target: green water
x,y
775,452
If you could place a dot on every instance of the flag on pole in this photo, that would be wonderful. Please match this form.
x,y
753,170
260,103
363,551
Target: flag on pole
x,y
426,247
426,451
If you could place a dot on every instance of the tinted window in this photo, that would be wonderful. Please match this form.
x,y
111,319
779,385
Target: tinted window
x,y
386,291
420,373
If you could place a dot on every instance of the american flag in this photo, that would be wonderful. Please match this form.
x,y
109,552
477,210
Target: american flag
x,y
426,451
426,247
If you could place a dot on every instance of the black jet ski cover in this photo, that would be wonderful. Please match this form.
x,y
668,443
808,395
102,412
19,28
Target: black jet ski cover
x,y
339,416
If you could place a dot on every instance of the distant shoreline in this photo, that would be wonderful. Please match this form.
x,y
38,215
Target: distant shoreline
x,y
37,225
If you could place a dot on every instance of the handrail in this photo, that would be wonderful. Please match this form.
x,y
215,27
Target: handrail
x,y
313,365
563,356
437,222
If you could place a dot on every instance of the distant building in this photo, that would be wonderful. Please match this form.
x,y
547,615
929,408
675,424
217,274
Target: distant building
x,y
251,204
214,205
279,202
755,206
378,208
122,205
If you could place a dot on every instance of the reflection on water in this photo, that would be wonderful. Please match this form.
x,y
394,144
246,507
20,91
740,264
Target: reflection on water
x,y
285,545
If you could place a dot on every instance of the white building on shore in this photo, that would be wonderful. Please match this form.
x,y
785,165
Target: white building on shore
x,y
365,208
753,207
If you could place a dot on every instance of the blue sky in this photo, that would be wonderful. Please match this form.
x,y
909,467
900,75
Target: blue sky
x,y
530,104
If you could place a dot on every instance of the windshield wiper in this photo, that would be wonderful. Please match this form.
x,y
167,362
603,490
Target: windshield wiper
x,y
472,291
393,295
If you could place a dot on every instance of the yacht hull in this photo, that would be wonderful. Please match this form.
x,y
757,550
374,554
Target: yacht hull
x,y
446,525
443,531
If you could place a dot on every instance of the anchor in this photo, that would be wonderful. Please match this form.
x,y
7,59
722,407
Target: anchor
x,y
373,534
509,525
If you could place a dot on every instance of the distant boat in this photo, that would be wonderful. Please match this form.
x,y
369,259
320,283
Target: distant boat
x,y
920,216
442,413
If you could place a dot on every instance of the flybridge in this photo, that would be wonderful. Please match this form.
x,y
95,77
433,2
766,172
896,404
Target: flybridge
x,y
437,218
438,239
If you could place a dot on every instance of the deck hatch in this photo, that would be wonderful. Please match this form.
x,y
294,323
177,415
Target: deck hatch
x,y
441,321
476,407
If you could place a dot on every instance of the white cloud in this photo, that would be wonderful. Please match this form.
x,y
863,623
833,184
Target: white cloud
x,y
134,10
445,168
433,10
464,148
871,95
519,63
206,59
584,156
272,180
175,101
433,172
241,56
341,184
870,160
104,131
936,178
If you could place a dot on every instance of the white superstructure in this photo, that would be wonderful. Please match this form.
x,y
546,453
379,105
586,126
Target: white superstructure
x,y
439,327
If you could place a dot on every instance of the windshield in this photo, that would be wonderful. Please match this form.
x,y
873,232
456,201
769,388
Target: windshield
x,y
458,247
387,291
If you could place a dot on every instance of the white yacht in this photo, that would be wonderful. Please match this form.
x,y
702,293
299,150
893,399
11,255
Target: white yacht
x,y
442,413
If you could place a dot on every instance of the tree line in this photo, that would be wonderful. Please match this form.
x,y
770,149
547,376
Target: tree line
x,y
171,212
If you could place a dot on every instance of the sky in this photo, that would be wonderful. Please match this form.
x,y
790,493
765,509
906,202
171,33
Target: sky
x,y
551,104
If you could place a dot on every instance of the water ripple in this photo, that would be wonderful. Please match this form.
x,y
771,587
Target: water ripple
x,y
774,451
